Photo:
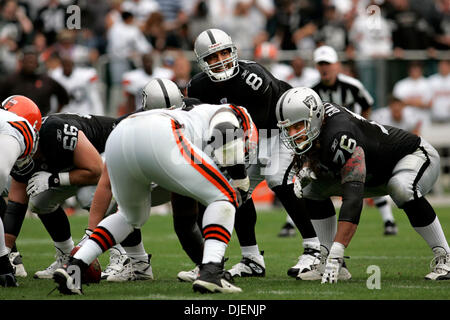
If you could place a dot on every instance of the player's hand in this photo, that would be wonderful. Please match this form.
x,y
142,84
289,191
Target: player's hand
x,y
298,189
306,175
241,186
331,272
41,181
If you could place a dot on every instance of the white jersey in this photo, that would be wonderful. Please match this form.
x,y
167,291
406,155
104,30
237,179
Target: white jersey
x,y
82,87
409,88
134,81
19,128
408,122
440,95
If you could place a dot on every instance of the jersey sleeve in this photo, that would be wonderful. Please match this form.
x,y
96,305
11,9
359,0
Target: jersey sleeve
x,y
58,140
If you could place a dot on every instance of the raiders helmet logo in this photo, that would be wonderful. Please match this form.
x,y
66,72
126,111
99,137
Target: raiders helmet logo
x,y
311,103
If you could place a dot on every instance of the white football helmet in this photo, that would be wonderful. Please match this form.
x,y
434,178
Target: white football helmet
x,y
295,105
161,93
211,41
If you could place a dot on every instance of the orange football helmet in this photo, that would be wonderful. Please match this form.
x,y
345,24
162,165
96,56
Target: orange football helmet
x,y
25,108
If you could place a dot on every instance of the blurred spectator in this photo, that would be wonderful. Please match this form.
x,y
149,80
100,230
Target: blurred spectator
x,y
200,17
81,83
296,23
440,23
332,30
67,45
397,114
245,25
439,84
141,9
414,91
410,29
266,54
93,21
154,31
370,35
173,12
51,19
15,28
134,81
336,87
37,86
114,14
182,72
302,75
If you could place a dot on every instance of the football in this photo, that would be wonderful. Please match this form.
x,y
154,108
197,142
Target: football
x,y
93,272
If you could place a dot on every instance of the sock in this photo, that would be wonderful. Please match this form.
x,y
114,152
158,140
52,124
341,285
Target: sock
x,y
218,221
65,246
120,248
326,230
3,249
245,222
312,243
250,251
57,224
434,235
289,220
385,208
88,252
137,252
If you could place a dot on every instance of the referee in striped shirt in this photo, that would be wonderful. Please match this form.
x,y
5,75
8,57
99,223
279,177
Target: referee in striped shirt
x,y
337,87
348,92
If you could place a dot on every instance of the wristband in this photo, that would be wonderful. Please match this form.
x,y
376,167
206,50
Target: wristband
x,y
64,178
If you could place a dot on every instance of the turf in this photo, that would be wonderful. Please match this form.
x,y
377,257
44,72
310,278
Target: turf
x,y
403,260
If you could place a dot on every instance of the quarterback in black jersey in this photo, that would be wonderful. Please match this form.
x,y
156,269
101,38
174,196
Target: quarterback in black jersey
x,y
340,153
225,79
66,163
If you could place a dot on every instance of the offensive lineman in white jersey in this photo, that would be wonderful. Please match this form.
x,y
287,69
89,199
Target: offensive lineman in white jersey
x,y
197,143
20,121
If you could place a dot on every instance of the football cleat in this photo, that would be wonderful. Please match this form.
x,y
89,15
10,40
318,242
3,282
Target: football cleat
x,y
61,260
214,279
288,230
66,284
189,276
133,270
390,228
306,261
16,261
440,265
8,280
116,261
251,266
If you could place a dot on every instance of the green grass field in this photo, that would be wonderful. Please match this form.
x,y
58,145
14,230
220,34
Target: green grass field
x,y
403,260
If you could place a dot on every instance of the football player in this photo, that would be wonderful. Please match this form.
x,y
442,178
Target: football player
x,y
20,121
199,145
129,261
349,156
67,162
225,79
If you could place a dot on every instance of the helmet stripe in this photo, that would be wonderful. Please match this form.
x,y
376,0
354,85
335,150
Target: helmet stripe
x,y
164,90
211,37
281,106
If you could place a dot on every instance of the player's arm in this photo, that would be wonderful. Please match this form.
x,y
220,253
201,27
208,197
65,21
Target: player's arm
x,y
15,211
353,176
101,201
88,163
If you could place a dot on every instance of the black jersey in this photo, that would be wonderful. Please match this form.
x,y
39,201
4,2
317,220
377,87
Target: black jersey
x,y
383,146
58,138
346,91
253,88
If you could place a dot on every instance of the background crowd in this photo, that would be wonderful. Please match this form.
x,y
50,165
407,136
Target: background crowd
x,y
398,49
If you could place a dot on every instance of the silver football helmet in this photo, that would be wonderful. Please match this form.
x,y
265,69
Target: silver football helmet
x,y
161,93
211,41
294,106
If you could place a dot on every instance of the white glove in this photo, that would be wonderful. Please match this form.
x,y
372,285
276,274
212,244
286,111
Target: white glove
x,y
332,268
298,189
306,175
241,186
41,181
